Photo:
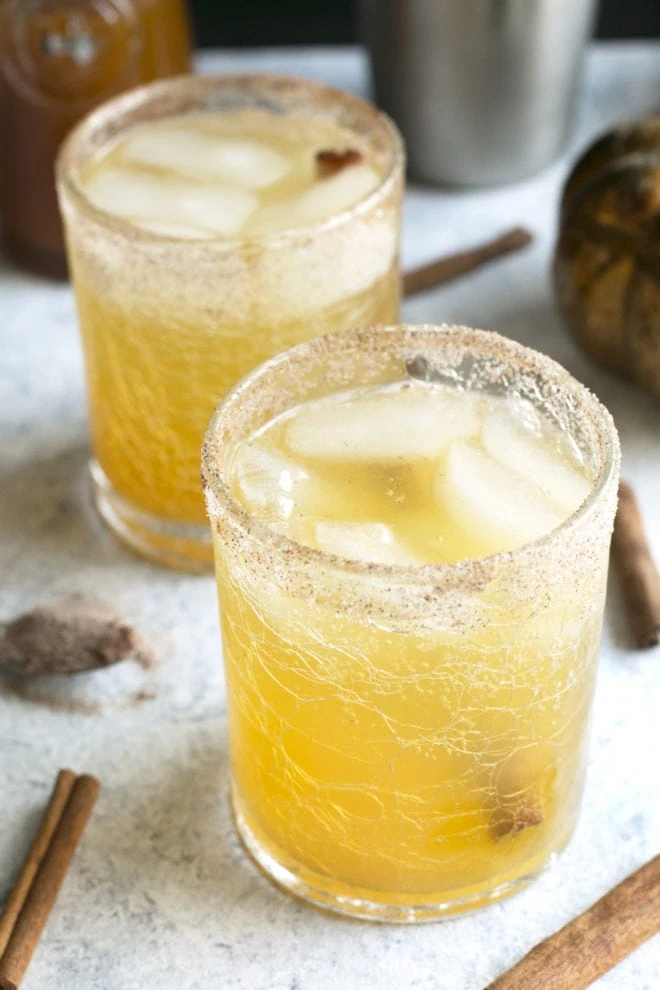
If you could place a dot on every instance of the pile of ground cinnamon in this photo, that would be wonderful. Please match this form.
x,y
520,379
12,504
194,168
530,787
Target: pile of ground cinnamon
x,y
69,637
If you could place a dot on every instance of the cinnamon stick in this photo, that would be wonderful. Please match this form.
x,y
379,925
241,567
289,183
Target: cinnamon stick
x,y
47,882
594,942
640,581
58,799
454,265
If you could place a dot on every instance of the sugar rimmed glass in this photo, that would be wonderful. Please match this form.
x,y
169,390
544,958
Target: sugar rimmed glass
x,y
168,325
409,742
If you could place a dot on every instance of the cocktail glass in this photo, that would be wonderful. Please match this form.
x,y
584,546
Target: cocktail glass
x,y
169,324
409,742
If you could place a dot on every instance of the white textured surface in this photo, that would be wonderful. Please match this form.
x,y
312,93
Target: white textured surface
x,y
161,895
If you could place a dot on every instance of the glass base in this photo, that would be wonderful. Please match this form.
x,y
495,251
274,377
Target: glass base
x,y
365,905
181,546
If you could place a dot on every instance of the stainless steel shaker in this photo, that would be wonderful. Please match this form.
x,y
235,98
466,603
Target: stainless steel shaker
x,y
483,90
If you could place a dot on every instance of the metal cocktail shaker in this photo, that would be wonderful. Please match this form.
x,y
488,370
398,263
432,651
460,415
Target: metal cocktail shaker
x,y
483,90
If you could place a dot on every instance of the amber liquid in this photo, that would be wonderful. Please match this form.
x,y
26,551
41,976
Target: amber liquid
x,y
158,364
154,378
408,769
430,769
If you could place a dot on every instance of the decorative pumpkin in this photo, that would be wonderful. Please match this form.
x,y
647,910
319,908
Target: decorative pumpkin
x,y
607,261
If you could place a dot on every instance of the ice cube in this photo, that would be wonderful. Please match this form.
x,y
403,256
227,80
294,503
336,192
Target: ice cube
x,y
211,208
330,196
496,507
526,452
372,542
201,155
268,483
124,193
409,423
325,198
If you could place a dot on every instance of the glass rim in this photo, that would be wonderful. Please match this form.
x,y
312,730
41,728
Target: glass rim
x,y
140,96
444,575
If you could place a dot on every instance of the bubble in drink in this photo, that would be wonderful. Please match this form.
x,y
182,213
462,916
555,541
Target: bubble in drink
x,y
197,154
421,421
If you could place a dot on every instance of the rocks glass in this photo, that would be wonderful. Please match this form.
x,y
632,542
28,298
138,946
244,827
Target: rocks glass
x,y
168,324
409,742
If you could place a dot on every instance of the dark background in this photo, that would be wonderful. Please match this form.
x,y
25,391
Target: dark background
x,y
313,22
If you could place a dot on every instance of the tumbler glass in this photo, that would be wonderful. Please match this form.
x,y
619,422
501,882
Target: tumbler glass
x,y
408,742
169,324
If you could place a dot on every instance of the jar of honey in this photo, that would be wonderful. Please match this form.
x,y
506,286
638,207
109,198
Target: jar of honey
x,y
59,59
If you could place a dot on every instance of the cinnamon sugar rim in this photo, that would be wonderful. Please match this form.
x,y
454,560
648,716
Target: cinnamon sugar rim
x,y
593,415
186,94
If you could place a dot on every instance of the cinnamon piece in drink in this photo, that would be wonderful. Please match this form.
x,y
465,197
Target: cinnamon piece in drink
x,y
329,162
516,802
510,819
